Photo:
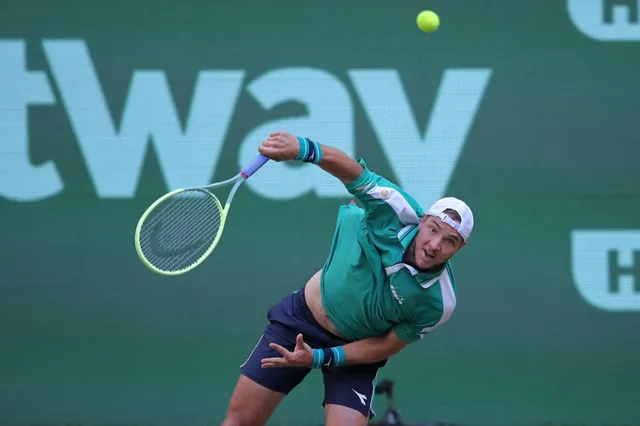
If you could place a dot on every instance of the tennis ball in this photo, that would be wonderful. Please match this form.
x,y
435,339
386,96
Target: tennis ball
x,y
428,21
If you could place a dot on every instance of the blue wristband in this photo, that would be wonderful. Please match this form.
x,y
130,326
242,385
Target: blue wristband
x,y
328,357
304,148
310,152
317,151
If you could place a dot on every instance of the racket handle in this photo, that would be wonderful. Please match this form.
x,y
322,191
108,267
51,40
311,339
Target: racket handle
x,y
254,165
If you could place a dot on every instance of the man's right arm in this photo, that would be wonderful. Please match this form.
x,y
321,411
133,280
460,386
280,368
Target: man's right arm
x,y
385,203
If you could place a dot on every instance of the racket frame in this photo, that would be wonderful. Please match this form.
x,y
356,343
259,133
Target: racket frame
x,y
237,180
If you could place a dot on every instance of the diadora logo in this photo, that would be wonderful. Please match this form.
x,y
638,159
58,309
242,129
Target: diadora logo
x,y
114,150
607,20
398,298
606,268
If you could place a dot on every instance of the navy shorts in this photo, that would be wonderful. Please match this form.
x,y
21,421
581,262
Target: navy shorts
x,y
351,386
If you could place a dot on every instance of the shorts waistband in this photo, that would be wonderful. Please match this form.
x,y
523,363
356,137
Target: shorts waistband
x,y
302,300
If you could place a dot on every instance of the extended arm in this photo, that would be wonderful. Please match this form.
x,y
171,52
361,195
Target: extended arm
x,y
381,199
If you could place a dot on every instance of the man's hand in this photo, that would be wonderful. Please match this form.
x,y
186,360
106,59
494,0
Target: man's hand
x,y
280,146
302,355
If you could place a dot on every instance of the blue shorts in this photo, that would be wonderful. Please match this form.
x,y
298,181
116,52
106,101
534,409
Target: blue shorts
x,y
350,386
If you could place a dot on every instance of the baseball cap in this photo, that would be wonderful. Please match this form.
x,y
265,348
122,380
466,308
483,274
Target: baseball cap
x,y
465,226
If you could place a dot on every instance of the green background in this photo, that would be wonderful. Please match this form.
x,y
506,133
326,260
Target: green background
x,y
87,334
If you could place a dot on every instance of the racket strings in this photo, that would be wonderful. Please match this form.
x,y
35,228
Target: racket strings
x,y
180,230
183,233
183,229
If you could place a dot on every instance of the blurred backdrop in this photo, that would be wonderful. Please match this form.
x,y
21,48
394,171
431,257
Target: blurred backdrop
x,y
528,110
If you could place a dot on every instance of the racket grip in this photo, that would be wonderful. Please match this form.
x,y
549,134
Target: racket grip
x,y
254,165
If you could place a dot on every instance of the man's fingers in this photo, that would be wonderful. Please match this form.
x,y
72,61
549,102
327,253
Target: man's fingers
x,y
299,342
285,353
272,142
273,362
268,144
267,150
270,150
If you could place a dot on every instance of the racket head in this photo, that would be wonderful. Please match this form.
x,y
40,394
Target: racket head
x,y
179,230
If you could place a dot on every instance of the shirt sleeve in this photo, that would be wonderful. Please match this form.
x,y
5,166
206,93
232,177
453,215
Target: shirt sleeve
x,y
387,207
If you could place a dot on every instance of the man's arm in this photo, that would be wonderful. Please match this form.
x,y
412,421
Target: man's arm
x,y
340,165
365,351
383,201
373,349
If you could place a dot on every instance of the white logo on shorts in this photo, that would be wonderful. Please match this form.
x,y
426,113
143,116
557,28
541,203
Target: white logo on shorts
x,y
363,398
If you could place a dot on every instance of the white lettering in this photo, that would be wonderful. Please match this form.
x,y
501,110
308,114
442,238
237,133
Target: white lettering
x,y
329,120
606,267
606,20
188,153
19,179
115,160
423,165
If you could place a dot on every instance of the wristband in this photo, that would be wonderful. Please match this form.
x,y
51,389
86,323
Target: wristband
x,y
310,151
328,357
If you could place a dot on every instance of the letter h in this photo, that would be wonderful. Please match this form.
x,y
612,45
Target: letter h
x,y
609,5
617,271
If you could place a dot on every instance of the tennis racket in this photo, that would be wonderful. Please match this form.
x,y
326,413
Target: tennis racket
x,y
180,229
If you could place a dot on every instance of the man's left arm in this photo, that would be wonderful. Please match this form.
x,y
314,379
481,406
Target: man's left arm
x,y
366,351
373,349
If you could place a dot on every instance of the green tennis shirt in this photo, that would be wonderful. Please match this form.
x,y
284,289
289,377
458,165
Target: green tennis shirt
x,y
366,288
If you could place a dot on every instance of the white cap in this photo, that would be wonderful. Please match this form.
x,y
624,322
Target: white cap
x,y
465,226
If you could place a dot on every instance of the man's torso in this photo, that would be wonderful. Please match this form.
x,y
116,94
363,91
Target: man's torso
x,y
366,290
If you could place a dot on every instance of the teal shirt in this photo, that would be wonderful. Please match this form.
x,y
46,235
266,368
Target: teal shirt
x,y
366,288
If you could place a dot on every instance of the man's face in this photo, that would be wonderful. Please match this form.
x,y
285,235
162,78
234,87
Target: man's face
x,y
435,243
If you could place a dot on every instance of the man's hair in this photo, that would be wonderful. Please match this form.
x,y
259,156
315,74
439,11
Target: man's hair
x,y
454,215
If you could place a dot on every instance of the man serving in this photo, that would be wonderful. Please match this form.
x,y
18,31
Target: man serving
x,y
386,283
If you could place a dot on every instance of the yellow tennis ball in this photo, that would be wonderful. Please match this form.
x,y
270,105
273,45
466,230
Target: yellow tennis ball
x,y
428,21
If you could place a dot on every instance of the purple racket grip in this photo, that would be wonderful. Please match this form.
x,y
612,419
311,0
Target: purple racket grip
x,y
254,165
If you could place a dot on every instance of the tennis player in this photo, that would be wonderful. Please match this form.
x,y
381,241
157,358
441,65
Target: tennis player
x,y
387,282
